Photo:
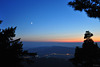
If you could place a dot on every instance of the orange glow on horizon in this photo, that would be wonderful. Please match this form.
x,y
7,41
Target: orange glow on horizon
x,y
64,41
96,39
71,40
55,40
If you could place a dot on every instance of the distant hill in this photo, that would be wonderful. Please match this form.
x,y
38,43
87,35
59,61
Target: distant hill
x,y
28,45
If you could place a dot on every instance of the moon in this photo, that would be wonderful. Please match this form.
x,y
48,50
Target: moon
x,y
31,22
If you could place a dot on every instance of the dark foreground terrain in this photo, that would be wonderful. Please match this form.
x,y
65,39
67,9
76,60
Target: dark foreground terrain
x,y
55,56
50,62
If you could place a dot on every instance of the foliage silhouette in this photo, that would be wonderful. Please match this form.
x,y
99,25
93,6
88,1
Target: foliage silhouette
x,y
88,55
0,21
91,7
11,52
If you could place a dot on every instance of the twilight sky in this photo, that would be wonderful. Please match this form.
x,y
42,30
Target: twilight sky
x,y
47,20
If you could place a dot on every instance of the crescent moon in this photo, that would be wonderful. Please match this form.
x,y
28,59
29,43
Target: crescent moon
x,y
31,22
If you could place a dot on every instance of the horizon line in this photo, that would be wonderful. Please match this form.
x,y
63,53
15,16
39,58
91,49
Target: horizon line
x,y
59,41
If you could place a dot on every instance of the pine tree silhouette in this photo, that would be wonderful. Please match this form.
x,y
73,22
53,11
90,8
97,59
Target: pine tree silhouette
x,y
91,7
88,55
11,52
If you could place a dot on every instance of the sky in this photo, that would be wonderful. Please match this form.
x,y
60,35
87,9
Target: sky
x,y
47,21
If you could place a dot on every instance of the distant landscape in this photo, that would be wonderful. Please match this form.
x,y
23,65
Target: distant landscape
x,y
44,49
28,45
51,53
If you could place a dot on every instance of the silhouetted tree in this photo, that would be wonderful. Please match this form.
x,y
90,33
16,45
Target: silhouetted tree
x,y
91,7
89,54
11,52
0,21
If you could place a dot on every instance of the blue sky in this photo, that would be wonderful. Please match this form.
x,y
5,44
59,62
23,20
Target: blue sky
x,y
52,20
